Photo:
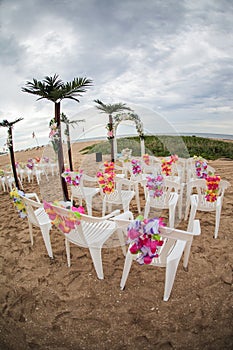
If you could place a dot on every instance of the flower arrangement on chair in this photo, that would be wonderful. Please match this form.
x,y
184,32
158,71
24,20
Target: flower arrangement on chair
x,y
126,154
72,177
155,185
166,165
18,203
46,159
20,165
30,164
106,179
108,167
136,167
146,159
63,223
144,238
2,172
212,187
201,167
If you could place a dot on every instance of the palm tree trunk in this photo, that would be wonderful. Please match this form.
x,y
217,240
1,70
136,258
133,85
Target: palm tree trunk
x,y
12,156
69,147
60,152
112,139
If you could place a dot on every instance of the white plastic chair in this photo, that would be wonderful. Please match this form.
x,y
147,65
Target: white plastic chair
x,y
37,216
168,200
91,233
84,192
176,242
197,201
119,196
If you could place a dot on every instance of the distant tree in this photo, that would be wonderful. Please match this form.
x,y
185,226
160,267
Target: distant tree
x,y
10,125
55,90
67,123
110,109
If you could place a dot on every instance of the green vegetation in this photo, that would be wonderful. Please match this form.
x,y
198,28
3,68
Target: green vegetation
x,y
162,146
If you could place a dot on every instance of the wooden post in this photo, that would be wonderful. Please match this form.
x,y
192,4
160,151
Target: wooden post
x,y
112,139
69,147
60,152
12,156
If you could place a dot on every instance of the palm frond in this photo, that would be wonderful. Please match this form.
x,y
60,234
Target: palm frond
x,y
111,108
6,123
54,89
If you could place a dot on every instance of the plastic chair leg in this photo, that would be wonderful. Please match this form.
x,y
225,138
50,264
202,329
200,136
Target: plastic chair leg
x,y
97,261
46,237
217,221
122,240
147,210
127,266
171,269
67,244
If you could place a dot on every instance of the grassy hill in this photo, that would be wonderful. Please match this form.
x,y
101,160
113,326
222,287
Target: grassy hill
x,y
162,146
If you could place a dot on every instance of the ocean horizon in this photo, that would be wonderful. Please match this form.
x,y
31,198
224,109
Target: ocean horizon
x,y
205,135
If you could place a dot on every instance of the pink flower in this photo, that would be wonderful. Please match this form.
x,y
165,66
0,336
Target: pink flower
x,y
80,209
133,249
147,260
132,234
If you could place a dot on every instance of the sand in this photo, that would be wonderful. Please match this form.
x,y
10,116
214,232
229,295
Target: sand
x,y
46,305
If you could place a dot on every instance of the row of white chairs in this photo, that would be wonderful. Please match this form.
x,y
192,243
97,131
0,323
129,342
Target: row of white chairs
x,y
93,232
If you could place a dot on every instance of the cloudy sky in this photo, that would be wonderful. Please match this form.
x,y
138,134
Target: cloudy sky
x,y
172,60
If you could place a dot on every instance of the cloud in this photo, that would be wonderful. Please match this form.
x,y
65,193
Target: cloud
x,y
171,57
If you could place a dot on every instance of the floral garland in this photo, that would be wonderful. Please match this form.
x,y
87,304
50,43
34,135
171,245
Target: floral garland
x,y
109,167
130,116
212,187
166,165
18,203
54,134
200,167
144,238
146,159
63,223
136,167
72,177
106,179
155,186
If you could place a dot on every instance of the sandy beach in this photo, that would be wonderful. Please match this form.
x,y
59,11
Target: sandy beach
x,y
46,305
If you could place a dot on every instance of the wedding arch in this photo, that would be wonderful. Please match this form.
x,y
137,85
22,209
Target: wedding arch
x,y
118,118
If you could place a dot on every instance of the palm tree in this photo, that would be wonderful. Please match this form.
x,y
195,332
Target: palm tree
x,y
9,125
110,109
55,90
67,123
